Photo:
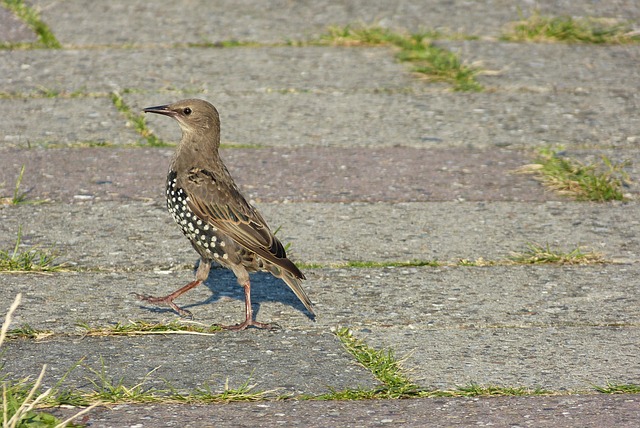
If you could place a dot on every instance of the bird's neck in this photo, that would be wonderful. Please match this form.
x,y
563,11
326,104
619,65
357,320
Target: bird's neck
x,y
195,150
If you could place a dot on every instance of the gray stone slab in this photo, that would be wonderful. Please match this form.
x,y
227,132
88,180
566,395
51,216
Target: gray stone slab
x,y
544,327
63,301
13,30
304,362
514,297
415,299
138,22
422,120
199,70
555,358
575,410
134,235
60,121
302,174
349,120
553,67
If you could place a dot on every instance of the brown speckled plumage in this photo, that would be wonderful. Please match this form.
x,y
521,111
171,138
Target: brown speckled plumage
x,y
206,203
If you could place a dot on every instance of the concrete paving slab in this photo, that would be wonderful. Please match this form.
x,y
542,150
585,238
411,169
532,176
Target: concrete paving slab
x,y
553,67
414,299
427,120
140,22
477,298
203,70
104,299
42,121
279,174
309,174
555,328
349,120
303,362
574,410
555,358
133,236
13,30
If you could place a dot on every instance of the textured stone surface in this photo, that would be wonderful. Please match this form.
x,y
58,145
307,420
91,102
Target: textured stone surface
x,y
325,129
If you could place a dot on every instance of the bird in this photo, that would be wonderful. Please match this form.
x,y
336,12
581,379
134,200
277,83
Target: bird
x,y
222,226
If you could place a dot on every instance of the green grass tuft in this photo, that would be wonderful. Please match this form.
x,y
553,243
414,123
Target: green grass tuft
x,y
540,28
32,18
383,365
475,390
618,388
32,259
138,121
544,254
584,182
27,332
205,395
430,61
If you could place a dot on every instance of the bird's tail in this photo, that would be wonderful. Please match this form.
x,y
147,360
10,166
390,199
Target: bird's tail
x,y
295,284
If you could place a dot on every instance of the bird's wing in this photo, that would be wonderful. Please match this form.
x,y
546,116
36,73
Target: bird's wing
x,y
221,204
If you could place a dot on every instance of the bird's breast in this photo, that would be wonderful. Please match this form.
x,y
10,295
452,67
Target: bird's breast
x,y
205,238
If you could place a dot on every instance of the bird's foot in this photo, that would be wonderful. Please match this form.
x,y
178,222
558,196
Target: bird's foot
x,y
250,323
164,301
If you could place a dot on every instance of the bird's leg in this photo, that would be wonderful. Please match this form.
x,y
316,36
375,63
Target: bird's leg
x,y
201,275
243,279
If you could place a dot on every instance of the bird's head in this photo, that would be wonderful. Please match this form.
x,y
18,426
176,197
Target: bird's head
x,y
194,116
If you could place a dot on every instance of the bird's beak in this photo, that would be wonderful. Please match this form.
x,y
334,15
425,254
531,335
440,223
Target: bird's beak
x,y
165,110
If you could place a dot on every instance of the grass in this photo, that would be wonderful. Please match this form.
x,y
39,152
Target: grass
x,y
27,332
136,328
533,254
396,385
138,121
18,196
540,28
431,62
33,259
32,18
618,388
20,399
584,182
544,254
382,364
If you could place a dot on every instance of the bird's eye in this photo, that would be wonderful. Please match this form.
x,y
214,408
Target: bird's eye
x,y
187,111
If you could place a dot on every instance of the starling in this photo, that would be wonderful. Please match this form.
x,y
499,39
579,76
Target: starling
x,y
207,205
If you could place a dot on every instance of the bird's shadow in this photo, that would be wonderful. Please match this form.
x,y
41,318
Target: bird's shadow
x,y
264,288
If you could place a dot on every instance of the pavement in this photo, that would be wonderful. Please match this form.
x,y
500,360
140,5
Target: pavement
x,y
358,160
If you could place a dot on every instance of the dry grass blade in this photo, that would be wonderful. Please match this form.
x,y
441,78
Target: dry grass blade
x,y
15,416
9,317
